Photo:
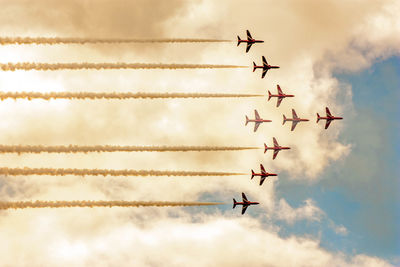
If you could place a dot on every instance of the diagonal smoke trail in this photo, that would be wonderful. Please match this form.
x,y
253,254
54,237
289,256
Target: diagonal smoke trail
x,y
120,96
90,204
60,40
106,172
110,148
109,66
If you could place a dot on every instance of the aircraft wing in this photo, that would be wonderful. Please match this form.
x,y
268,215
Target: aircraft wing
x,y
264,72
328,122
248,47
264,61
256,124
248,35
275,153
275,142
279,90
244,198
244,208
294,125
262,169
262,179
279,101
294,114
328,113
257,116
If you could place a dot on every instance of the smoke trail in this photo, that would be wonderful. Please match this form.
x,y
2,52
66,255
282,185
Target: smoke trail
x,y
98,66
90,204
90,95
110,148
105,172
59,40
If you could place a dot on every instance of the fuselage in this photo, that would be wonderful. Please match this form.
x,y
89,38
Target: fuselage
x,y
251,41
247,203
331,118
263,174
255,120
282,95
267,67
277,148
298,119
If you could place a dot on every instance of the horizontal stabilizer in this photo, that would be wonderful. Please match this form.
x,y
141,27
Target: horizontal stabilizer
x,y
239,40
234,203
318,117
247,120
269,95
284,119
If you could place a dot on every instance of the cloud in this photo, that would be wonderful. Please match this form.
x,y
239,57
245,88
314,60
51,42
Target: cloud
x,y
178,241
309,211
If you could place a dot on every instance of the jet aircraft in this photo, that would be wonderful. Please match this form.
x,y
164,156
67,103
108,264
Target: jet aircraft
x,y
329,118
294,120
280,95
245,203
257,121
250,41
262,175
276,148
265,67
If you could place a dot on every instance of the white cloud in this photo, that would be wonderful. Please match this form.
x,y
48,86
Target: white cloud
x,y
308,211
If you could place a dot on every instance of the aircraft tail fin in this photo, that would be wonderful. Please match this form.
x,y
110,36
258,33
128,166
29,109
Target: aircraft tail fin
x,y
269,95
247,120
252,174
239,40
318,117
234,203
254,66
265,148
284,119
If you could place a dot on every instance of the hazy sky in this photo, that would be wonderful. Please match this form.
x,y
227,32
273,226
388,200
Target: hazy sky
x,y
335,201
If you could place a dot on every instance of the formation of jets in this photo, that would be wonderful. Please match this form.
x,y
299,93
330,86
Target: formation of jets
x,y
258,120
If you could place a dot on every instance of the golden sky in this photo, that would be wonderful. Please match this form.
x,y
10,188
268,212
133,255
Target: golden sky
x,y
307,39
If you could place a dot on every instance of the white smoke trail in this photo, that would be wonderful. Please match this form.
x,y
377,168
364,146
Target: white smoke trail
x,y
120,96
60,40
90,204
105,172
110,148
99,66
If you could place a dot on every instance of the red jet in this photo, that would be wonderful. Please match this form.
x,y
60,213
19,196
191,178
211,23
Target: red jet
x,y
265,67
245,203
276,148
257,121
280,95
329,118
294,120
262,175
250,41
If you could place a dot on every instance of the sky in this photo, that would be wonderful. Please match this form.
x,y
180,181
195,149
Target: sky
x,y
335,201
